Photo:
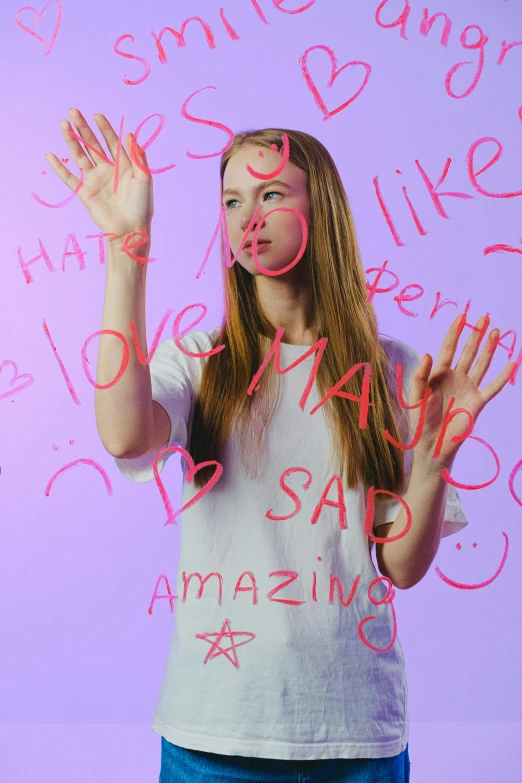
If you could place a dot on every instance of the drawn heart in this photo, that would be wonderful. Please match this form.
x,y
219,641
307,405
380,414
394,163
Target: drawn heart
x,y
171,517
37,16
16,378
334,74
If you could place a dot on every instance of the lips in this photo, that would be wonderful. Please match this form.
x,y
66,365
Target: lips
x,y
259,242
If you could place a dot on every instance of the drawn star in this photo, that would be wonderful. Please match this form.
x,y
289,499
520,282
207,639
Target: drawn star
x,y
216,650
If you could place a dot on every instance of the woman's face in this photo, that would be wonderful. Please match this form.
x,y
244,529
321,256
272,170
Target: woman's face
x,y
243,194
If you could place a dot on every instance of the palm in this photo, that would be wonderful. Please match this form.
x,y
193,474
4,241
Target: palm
x,y
131,206
445,383
118,212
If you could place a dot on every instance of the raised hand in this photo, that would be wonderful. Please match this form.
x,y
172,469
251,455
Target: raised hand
x,y
131,207
442,382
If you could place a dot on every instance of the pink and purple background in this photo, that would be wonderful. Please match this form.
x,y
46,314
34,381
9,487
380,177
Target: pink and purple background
x,y
81,657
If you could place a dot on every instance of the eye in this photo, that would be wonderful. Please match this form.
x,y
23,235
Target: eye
x,y
268,193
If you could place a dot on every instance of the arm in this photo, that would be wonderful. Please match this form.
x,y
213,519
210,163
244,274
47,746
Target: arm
x,y
128,422
447,397
407,560
126,418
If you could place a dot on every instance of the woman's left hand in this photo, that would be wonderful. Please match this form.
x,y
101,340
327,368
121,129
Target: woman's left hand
x,y
445,383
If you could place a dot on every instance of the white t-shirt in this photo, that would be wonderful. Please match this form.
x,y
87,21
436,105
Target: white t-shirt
x,y
267,660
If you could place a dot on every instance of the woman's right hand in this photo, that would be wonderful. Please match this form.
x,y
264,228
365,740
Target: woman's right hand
x,y
132,206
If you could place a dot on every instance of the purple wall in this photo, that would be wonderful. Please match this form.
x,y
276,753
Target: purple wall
x,y
79,562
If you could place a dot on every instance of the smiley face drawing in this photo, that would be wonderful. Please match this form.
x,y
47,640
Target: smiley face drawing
x,y
463,585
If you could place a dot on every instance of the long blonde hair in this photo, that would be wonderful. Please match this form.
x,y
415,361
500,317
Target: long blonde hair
x,y
337,292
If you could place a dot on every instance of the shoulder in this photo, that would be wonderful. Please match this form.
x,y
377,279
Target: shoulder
x,y
168,354
213,334
396,350
196,341
400,353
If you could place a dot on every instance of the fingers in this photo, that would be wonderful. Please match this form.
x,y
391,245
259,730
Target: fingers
x,y
469,352
423,371
450,342
63,172
485,358
420,378
448,348
138,158
78,153
111,138
498,383
96,151
97,155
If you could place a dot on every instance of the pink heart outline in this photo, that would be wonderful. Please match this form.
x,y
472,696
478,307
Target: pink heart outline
x,y
334,74
171,517
13,380
37,16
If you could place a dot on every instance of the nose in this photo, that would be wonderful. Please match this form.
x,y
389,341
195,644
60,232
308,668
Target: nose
x,y
245,221
246,217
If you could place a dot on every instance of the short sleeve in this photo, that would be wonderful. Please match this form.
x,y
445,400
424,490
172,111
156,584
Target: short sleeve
x,y
454,515
175,379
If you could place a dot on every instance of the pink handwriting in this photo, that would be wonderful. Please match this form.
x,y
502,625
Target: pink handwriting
x,y
13,389
137,150
502,249
74,464
124,360
209,123
436,196
426,24
65,374
177,336
463,585
227,250
446,476
285,156
230,650
335,72
193,469
340,504
335,583
140,237
375,288
37,15
65,201
179,36
511,482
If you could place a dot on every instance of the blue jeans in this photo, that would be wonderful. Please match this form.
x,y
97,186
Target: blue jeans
x,y
183,765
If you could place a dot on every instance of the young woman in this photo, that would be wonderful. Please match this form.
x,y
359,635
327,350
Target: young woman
x,y
284,661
